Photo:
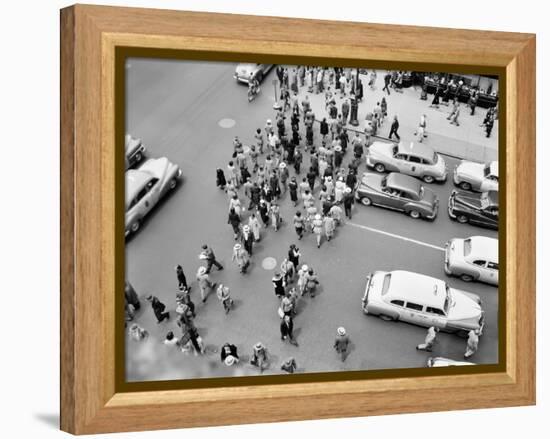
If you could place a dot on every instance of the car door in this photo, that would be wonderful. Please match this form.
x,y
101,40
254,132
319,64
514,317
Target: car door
x,y
414,313
436,317
480,270
489,183
492,272
392,199
415,166
153,194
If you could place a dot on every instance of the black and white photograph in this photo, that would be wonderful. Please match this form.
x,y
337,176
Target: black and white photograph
x,y
285,219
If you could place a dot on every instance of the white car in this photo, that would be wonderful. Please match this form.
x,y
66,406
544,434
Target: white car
x,y
135,150
245,71
416,159
474,258
478,177
145,187
446,362
422,300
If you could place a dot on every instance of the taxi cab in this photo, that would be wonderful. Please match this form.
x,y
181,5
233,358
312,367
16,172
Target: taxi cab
x,y
473,259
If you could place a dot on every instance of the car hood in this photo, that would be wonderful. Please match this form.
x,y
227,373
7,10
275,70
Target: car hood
x,y
471,169
245,67
131,144
465,307
468,199
385,149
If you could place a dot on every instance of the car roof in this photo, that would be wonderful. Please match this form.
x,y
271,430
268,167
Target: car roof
x,y
418,288
135,181
416,149
403,182
484,247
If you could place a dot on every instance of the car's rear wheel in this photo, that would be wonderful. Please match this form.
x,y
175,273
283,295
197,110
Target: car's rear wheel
x,y
135,226
173,183
465,186
428,179
414,214
462,219
380,167
467,278
366,201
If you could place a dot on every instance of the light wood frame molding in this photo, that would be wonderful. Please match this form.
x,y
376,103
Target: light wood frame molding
x,y
89,36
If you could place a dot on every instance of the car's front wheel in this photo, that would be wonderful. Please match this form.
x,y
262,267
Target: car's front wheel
x,y
467,278
366,201
462,219
135,226
387,318
414,214
465,186
380,167
428,179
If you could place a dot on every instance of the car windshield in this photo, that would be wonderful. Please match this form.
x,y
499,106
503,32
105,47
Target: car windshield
x,y
485,200
386,284
467,246
384,182
395,148
435,158
487,170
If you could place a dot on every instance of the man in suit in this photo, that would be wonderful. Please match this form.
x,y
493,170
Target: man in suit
x,y
287,328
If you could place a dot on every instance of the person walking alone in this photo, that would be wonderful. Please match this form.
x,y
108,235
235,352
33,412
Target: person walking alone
x,y
430,340
394,128
182,281
341,344
224,296
472,343
254,225
158,308
241,257
207,254
205,284
299,223
235,220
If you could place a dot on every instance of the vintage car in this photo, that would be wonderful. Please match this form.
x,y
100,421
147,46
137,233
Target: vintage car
x,y
398,192
479,209
446,362
422,300
244,72
478,177
135,150
145,187
474,258
416,159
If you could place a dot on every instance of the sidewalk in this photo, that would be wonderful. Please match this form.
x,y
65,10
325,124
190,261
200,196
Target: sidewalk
x,y
466,141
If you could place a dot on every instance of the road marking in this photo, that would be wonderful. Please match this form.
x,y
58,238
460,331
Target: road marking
x,y
269,263
393,235
227,123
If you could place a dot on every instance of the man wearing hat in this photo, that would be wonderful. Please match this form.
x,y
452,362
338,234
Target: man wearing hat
x,y
348,201
259,356
247,239
302,279
208,255
289,365
318,228
278,285
341,343
241,257
293,189
430,340
472,343
204,282
158,308
224,296
283,176
228,350
182,281
338,156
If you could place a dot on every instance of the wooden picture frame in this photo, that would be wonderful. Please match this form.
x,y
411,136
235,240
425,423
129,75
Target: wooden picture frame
x,y
91,400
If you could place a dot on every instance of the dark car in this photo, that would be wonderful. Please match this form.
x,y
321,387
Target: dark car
x,y
398,192
479,209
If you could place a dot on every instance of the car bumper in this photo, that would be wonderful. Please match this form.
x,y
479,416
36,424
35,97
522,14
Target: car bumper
x,y
365,299
241,78
132,158
446,266
369,162
451,206
434,213
441,178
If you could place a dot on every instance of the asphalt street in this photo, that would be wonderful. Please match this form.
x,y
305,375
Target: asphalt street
x,y
176,108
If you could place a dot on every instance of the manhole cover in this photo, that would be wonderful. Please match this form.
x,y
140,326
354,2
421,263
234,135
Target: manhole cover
x,y
269,263
227,123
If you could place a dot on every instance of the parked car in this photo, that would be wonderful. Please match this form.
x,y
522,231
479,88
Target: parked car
x,y
145,187
416,159
422,300
446,362
479,209
135,151
245,71
478,177
474,258
398,192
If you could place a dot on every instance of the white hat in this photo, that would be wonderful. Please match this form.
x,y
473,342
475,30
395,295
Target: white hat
x,y
202,270
268,121
341,330
258,345
282,165
338,148
318,216
246,227
229,360
237,246
305,267
347,190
